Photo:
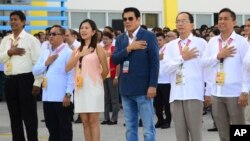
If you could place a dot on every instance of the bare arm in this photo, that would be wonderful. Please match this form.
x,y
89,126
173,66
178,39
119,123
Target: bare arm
x,y
103,61
72,61
75,57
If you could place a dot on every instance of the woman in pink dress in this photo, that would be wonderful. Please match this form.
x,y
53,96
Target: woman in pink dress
x,y
90,64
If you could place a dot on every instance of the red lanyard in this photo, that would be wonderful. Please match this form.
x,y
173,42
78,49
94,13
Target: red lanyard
x,y
180,47
228,43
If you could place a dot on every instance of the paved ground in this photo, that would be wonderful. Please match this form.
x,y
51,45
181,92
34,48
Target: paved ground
x,y
108,132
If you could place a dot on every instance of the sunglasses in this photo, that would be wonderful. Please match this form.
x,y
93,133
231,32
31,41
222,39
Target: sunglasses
x,y
129,19
54,34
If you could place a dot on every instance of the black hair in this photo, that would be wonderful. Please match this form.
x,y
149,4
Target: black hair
x,y
109,28
108,34
190,16
62,30
20,14
93,41
233,15
132,9
160,34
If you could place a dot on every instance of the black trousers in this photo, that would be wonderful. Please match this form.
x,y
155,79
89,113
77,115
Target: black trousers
x,y
58,121
161,103
22,106
2,81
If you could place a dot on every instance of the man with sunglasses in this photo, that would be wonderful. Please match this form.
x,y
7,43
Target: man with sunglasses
x,y
19,51
57,86
138,55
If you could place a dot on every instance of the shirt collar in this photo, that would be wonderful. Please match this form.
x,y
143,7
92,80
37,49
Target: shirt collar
x,y
232,36
61,45
20,36
190,37
134,33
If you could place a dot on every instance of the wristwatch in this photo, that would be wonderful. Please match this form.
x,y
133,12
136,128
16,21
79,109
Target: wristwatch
x,y
68,95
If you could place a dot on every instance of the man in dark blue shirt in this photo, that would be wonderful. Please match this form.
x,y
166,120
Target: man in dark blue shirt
x,y
138,55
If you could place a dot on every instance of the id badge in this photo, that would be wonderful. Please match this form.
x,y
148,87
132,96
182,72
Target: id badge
x,y
8,67
44,82
125,67
179,79
220,78
79,81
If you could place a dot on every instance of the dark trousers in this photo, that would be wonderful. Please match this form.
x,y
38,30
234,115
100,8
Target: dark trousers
x,y
58,121
22,106
161,103
2,83
111,100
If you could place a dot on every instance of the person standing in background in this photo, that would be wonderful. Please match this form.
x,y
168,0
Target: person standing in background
x,y
110,83
71,37
19,51
247,32
161,100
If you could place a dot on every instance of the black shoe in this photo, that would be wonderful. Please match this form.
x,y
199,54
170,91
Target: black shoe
x,y
165,126
78,120
204,113
140,123
212,130
158,124
105,122
112,123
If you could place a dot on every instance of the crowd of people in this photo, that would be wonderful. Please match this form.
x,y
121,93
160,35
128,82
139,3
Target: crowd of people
x,y
173,74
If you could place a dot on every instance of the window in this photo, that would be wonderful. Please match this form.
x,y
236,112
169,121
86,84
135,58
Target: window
x,y
150,20
114,16
99,18
203,19
239,20
247,17
77,18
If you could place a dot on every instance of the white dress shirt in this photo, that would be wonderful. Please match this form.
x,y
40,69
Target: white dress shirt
x,y
59,82
192,86
21,64
236,78
163,77
75,44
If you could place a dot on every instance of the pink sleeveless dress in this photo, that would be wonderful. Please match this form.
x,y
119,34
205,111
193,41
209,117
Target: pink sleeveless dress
x,y
90,97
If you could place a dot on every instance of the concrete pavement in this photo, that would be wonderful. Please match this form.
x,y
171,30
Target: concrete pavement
x,y
108,132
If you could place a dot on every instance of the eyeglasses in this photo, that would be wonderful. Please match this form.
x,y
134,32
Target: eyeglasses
x,y
54,34
129,19
182,21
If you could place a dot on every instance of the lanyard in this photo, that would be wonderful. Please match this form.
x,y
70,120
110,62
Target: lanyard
x,y
220,47
57,52
228,43
180,47
14,42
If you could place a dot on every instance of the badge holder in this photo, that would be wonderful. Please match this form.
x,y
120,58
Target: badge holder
x,y
125,68
44,82
220,77
179,76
